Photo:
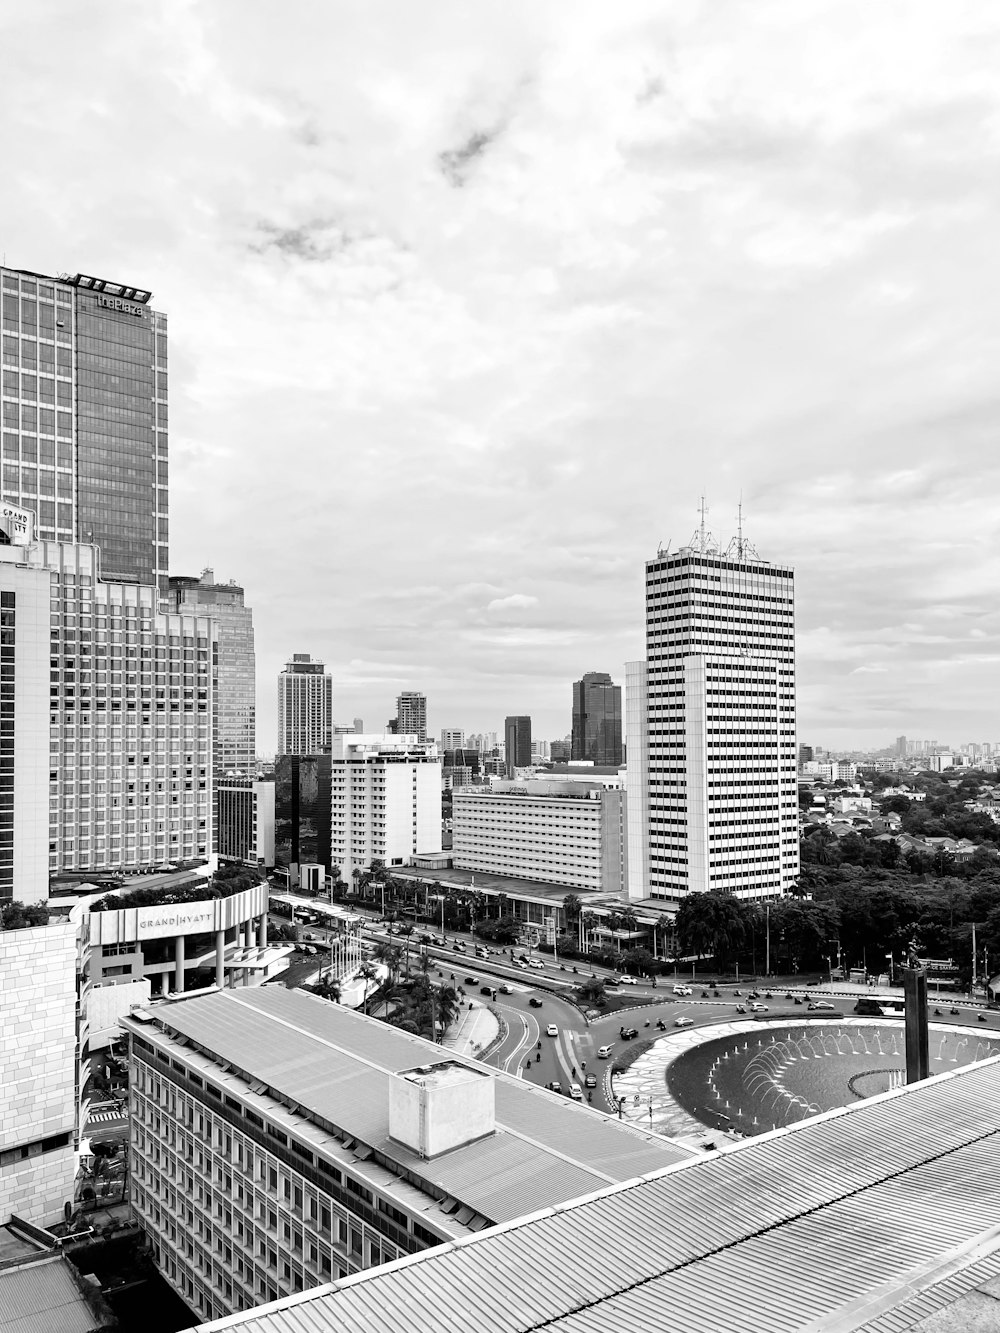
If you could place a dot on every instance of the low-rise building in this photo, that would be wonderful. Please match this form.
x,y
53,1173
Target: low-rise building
x,y
280,1142
570,833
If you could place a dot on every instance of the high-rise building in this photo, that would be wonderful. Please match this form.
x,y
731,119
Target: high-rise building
x,y
305,707
517,742
128,734
85,417
597,719
236,704
452,738
245,820
386,801
302,813
411,714
720,701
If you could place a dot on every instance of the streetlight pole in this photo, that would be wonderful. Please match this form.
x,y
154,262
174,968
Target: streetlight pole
x,y
767,947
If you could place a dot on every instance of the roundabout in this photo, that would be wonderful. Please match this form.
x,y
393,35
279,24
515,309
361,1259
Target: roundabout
x,y
748,1077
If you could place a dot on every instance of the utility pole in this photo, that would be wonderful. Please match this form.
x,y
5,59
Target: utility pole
x,y
972,984
767,948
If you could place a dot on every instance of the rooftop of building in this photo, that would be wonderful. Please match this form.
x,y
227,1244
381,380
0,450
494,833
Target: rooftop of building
x,y
41,1293
332,1068
876,1216
536,890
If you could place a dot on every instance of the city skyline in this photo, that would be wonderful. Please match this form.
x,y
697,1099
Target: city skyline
x,y
474,286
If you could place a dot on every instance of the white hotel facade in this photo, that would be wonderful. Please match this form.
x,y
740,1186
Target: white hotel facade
x,y
712,788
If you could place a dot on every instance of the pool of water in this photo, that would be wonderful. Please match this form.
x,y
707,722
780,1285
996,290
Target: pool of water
x,y
779,1073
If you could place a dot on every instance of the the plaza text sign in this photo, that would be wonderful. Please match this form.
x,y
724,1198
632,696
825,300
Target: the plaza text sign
x,y
116,303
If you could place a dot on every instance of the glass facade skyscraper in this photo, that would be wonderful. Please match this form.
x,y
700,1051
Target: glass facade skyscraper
x,y
84,416
517,742
597,719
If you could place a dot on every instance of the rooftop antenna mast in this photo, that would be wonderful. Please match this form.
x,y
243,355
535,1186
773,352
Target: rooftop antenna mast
x,y
739,548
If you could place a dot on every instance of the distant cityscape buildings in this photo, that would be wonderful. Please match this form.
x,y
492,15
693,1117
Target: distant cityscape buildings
x,y
597,719
411,715
305,706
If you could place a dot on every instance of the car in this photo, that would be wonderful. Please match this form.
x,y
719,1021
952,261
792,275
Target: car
x,y
472,981
536,962
612,981
590,1081
552,1030
628,981
627,1034
521,967
576,1092
756,1008
535,1002
459,947
522,958
683,990
604,1053
683,1022
486,990
554,1086
482,953
821,1004
508,990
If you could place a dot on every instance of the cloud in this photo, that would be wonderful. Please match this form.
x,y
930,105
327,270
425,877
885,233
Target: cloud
x,y
464,301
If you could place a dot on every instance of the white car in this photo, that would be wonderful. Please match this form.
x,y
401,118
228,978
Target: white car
x,y
683,1022
682,990
552,1030
628,981
576,1092
756,1008
536,962
604,1053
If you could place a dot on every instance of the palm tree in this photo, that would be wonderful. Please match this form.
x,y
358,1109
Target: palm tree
x,y
329,989
586,924
406,932
664,922
367,973
572,906
389,954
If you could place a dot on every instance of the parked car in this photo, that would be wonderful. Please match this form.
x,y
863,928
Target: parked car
x,y
604,1053
535,1002
552,1030
590,1081
683,1022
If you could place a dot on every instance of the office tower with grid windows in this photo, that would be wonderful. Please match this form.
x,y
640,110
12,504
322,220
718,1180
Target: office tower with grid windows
x,y
411,714
517,742
305,707
84,417
236,746
597,719
719,714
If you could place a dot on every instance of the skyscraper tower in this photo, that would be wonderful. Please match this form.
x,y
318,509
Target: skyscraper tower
x,y
719,772
236,742
597,719
517,742
85,417
305,707
411,714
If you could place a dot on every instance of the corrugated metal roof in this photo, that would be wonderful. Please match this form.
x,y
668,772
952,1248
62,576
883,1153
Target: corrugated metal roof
x,y
767,1236
41,1297
336,1064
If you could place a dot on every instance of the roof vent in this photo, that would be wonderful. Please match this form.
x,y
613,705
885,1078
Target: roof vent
x,y
435,1108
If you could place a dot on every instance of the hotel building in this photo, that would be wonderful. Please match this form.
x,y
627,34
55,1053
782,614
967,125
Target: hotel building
x,y
280,1142
385,801
717,769
84,416
570,833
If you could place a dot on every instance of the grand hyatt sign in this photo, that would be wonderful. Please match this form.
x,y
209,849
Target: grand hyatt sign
x,y
170,919
158,921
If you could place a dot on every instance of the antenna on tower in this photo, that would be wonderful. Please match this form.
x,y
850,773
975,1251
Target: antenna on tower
x,y
739,527
703,542
739,548
701,531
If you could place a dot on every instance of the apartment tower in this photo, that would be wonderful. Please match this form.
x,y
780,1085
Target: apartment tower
x,y
517,742
85,417
719,770
305,707
411,714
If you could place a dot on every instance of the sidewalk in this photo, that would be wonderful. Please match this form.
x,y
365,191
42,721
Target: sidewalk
x,y
475,1028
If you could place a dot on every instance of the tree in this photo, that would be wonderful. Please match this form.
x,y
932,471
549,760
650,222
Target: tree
x,y
712,924
389,955
367,973
639,961
407,932
572,907
329,989
593,992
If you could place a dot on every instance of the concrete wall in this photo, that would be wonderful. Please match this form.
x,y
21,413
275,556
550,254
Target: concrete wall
x,y
37,1070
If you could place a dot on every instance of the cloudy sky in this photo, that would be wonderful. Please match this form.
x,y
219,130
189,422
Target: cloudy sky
x,y
470,302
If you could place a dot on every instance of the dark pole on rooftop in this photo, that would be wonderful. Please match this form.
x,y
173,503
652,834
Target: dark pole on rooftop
x,y
915,996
